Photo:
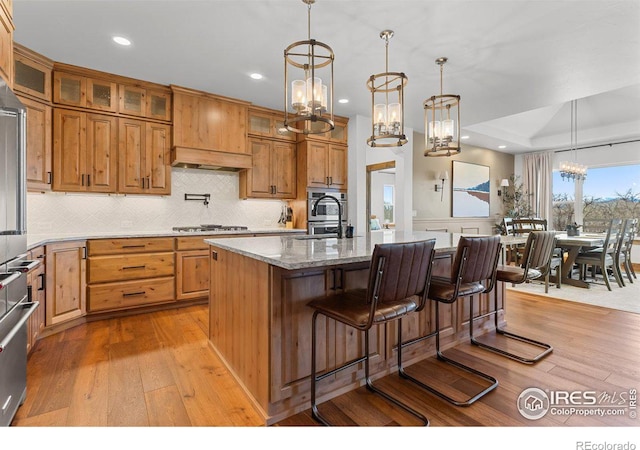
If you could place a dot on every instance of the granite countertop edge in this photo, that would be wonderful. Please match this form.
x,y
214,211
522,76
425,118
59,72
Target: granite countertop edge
x,y
37,239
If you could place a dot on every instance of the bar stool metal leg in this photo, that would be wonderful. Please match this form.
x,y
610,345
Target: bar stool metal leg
x,y
493,382
546,347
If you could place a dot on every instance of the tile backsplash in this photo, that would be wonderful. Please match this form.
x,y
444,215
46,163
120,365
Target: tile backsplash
x,y
57,212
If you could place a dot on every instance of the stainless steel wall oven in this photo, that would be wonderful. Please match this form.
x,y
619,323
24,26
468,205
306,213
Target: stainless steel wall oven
x,y
325,219
15,308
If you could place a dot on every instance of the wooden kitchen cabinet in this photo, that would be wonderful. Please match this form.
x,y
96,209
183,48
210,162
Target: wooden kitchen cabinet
x,y
36,288
192,274
273,172
262,122
32,73
84,92
6,42
322,164
143,153
65,293
130,273
39,144
142,102
203,121
84,151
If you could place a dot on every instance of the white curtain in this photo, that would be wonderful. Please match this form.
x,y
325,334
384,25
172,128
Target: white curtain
x,y
536,180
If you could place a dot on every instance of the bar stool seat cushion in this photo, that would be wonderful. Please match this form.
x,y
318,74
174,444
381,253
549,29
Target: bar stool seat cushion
x,y
352,308
513,274
442,289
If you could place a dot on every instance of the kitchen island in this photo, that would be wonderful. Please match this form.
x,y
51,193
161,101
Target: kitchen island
x,y
260,326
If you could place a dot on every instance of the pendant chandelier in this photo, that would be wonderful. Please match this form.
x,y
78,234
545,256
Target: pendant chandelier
x,y
308,84
442,121
387,104
572,170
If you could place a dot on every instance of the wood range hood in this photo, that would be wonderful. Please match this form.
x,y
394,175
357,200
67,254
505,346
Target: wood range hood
x,y
194,158
209,131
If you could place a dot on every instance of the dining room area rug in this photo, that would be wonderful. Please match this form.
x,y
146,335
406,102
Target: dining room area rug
x,y
625,298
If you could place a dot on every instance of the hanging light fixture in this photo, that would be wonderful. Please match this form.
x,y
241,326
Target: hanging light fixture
x,y
387,104
308,100
572,170
442,121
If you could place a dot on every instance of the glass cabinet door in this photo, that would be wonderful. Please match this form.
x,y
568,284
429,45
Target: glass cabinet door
x,y
69,89
159,105
32,78
132,100
101,95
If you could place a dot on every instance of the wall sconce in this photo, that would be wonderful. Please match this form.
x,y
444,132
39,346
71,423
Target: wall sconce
x,y
503,184
442,176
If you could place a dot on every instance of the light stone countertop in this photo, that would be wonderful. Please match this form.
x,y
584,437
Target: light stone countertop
x,y
300,252
35,240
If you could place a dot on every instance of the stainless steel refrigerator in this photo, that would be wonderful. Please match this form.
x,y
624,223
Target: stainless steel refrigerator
x,y
15,307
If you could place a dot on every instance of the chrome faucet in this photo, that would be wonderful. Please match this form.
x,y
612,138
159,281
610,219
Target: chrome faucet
x,y
315,204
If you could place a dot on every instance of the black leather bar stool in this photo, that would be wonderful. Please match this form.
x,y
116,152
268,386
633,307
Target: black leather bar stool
x,y
473,272
537,257
398,285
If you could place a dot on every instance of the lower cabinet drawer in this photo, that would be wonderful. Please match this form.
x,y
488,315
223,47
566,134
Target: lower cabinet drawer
x,y
113,296
102,269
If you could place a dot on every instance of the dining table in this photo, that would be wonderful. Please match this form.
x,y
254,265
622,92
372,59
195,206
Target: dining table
x,y
572,246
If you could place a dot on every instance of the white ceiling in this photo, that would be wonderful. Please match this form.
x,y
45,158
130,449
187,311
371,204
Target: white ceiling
x,y
515,63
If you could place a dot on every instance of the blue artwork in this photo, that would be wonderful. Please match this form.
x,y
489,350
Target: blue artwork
x,y
470,190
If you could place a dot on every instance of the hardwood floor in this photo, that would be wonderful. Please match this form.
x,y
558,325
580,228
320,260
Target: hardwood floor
x,y
157,369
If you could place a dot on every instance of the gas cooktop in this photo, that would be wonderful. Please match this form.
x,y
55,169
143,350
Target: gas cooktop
x,y
196,228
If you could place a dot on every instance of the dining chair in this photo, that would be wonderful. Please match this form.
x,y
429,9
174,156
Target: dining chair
x,y
473,271
603,257
538,253
623,251
398,285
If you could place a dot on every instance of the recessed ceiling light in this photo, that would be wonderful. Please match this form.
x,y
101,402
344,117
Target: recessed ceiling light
x,y
343,100
121,40
502,146
256,76
464,137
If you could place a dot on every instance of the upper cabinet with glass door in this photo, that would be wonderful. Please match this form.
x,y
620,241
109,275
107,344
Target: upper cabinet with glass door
x,y
32,73
268,123
99,91
338,135
84,92
143,102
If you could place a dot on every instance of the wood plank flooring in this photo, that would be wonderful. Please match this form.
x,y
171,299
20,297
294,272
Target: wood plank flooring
x,y
157,369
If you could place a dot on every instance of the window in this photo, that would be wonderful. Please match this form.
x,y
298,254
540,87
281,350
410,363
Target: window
x,y
389,201
607,192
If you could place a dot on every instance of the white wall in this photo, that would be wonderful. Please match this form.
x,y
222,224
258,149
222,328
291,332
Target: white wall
x,y
60,213
360,156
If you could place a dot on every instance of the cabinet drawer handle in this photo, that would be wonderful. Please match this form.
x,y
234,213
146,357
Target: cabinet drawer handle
x,y
148,183
49,177
82,180
133,246
132,294
42,281
89,180
133,267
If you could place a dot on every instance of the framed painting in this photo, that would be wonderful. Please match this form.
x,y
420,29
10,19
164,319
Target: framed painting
x,y
470,196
